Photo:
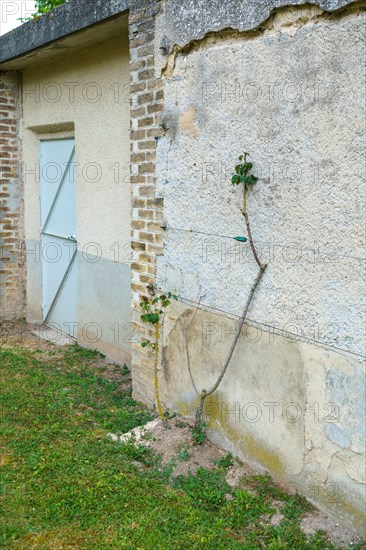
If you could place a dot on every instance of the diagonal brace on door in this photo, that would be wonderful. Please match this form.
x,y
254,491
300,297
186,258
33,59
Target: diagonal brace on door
x,y
57,192
62,284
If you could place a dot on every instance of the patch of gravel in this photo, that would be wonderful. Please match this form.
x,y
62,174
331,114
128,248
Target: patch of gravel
x,y
322,521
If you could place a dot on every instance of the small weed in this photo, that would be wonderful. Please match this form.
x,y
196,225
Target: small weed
x,y
295,506
183,455
207,488
125,370
246,508
225,462
199,433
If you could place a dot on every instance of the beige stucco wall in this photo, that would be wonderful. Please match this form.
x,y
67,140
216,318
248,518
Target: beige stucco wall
x,y
86,94
291,94
285,405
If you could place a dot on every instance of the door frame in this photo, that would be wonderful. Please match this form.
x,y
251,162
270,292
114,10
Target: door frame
x,y
42,137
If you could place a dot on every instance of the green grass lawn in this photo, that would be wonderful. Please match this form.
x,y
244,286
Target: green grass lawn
x,y
64,484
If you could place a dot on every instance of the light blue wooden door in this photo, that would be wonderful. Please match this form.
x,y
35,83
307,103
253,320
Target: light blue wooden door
x,y
58,234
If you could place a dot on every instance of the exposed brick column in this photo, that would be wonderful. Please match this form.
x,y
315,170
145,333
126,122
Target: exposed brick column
x,y
12,270
147,210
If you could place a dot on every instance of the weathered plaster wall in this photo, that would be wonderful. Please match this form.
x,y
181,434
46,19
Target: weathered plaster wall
x,y
285,406
182,22
294,103
289,90
12,270
87,95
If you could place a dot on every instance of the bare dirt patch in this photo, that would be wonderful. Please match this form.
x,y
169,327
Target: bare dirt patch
x,y
172,440
26,335
321,521
34,337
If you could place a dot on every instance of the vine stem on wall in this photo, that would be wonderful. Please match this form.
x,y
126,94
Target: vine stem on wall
x,y
205,393
262,268
246,218
156,379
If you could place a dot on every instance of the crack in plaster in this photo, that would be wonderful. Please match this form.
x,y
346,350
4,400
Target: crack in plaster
x,y
330,465
272,25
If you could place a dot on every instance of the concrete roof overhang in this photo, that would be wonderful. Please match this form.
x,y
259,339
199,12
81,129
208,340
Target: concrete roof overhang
x,y
67,28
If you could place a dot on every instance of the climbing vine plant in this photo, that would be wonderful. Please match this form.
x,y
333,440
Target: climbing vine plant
x,y
154,308
242,176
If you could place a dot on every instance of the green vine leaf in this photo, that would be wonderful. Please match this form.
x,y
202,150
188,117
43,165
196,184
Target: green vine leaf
x,y
251,180
242,172
150,318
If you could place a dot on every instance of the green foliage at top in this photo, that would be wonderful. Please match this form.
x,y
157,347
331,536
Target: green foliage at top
x,y
199,433
153,308
242,172
225,462
44,6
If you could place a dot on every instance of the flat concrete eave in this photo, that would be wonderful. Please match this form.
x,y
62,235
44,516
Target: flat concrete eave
x,y
61,22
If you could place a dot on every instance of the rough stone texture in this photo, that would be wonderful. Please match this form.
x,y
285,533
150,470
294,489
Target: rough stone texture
x,y
183,22
147,238
62,21
291,94
295,104
12,271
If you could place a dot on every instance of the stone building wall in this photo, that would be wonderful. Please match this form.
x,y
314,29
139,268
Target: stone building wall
x,y
12,274
147,209
283,82
281,79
